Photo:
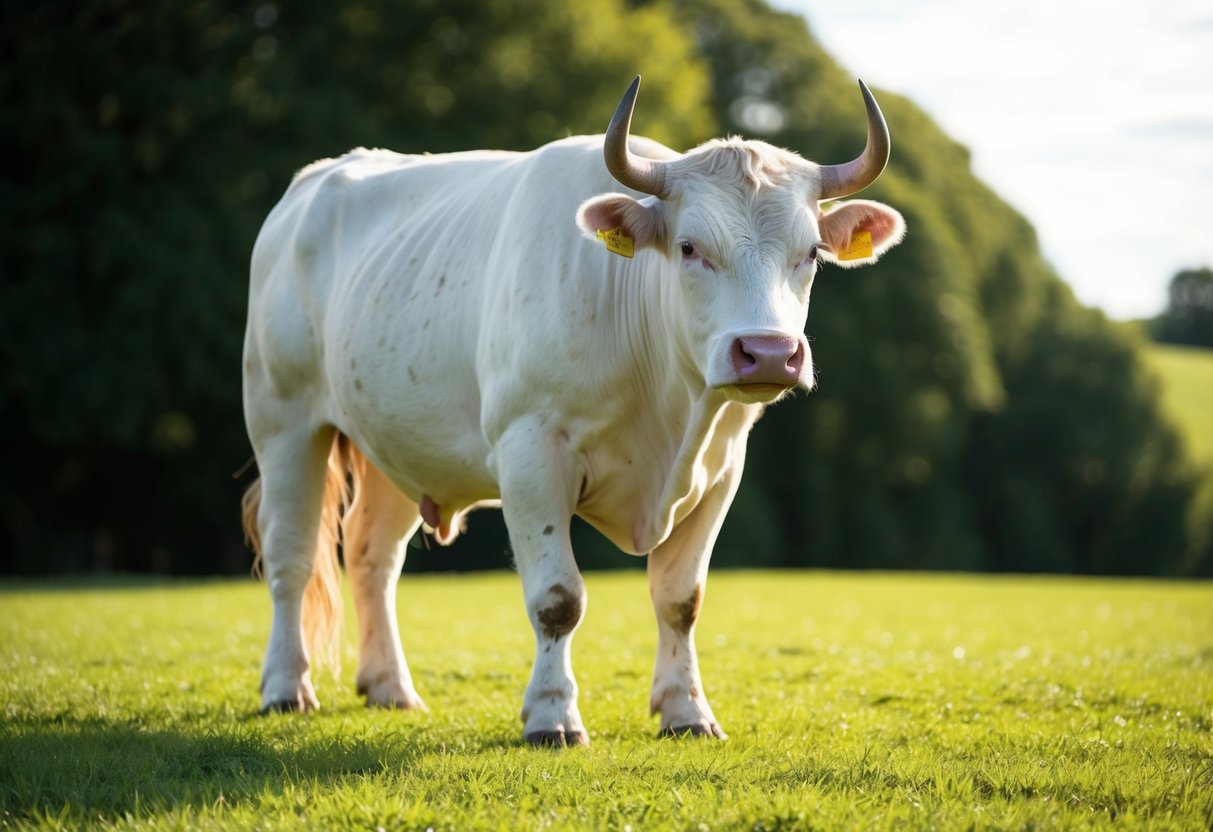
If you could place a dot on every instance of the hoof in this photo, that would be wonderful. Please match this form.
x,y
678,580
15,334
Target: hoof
x,y
285,706
698,729
387,690
409,704
556,739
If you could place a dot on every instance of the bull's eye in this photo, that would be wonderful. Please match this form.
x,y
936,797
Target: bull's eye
x,y
808,260
688,250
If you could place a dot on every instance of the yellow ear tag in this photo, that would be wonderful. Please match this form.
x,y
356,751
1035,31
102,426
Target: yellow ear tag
x,y
616,241
859,247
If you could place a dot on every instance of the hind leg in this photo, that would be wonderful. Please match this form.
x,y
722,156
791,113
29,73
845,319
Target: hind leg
x,y
377,528
292,469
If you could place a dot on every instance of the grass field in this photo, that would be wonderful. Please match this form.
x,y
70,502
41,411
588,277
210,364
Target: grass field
x,y
1187,376
852,701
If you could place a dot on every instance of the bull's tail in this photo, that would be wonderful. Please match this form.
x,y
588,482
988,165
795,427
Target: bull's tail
x,y
322,601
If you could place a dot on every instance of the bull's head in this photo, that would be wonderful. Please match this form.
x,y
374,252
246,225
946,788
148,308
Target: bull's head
x,y
743,221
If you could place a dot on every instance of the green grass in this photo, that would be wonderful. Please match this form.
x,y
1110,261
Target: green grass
x,y
1187,376
853,701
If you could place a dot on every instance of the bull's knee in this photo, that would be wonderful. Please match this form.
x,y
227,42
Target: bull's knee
x,y
559,610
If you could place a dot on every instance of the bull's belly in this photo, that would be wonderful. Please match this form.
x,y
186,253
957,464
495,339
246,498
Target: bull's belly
x,y
452,480
447,461
437,453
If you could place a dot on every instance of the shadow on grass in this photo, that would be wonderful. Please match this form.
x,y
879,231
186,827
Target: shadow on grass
x,y
97,770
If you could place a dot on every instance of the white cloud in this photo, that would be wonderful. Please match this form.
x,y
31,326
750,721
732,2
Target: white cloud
x,y
1093,119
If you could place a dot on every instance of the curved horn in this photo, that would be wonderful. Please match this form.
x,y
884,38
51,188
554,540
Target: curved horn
x,y
854,176
644,175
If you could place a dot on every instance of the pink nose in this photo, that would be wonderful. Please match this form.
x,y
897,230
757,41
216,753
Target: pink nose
x,y
768,359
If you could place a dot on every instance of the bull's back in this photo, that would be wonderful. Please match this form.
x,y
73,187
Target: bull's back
x,y
374,281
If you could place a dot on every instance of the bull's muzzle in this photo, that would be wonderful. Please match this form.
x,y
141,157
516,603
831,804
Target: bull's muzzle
x,y
767,360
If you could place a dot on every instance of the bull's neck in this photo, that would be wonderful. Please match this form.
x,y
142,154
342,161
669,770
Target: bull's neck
x,y
688,478
649,292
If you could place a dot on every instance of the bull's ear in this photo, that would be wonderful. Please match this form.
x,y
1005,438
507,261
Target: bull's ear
x,y
642,220
843,229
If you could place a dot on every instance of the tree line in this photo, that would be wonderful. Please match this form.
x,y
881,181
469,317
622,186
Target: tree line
x,y
1188,317
970,414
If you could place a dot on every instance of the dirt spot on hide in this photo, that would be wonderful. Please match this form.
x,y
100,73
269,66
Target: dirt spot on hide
x,y
548,530
412,375
685,615
441,283
358,384
560,618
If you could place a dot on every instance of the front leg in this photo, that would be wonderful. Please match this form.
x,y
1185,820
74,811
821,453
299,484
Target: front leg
x,y
549,708
677,578
539,486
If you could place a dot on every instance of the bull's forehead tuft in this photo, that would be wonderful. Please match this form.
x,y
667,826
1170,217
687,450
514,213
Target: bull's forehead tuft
x,y
754,165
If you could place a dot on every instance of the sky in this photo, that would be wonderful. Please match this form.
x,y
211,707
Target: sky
x,y
1093,119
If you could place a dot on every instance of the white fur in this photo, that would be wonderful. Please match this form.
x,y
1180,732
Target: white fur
x,y
443,313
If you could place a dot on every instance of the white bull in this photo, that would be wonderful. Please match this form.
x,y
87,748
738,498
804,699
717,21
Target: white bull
x,y
435,331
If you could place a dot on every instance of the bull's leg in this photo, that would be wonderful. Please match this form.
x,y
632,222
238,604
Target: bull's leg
x,y
539,485
292,467
677,578
377,528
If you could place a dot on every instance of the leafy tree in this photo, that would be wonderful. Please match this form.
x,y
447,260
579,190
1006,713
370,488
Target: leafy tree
x,y
1088,476
1188,318
152,141
934,439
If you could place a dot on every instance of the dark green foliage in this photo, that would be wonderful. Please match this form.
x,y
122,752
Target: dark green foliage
x,y
150,145
1188,318
970,414
125,237
1089,479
